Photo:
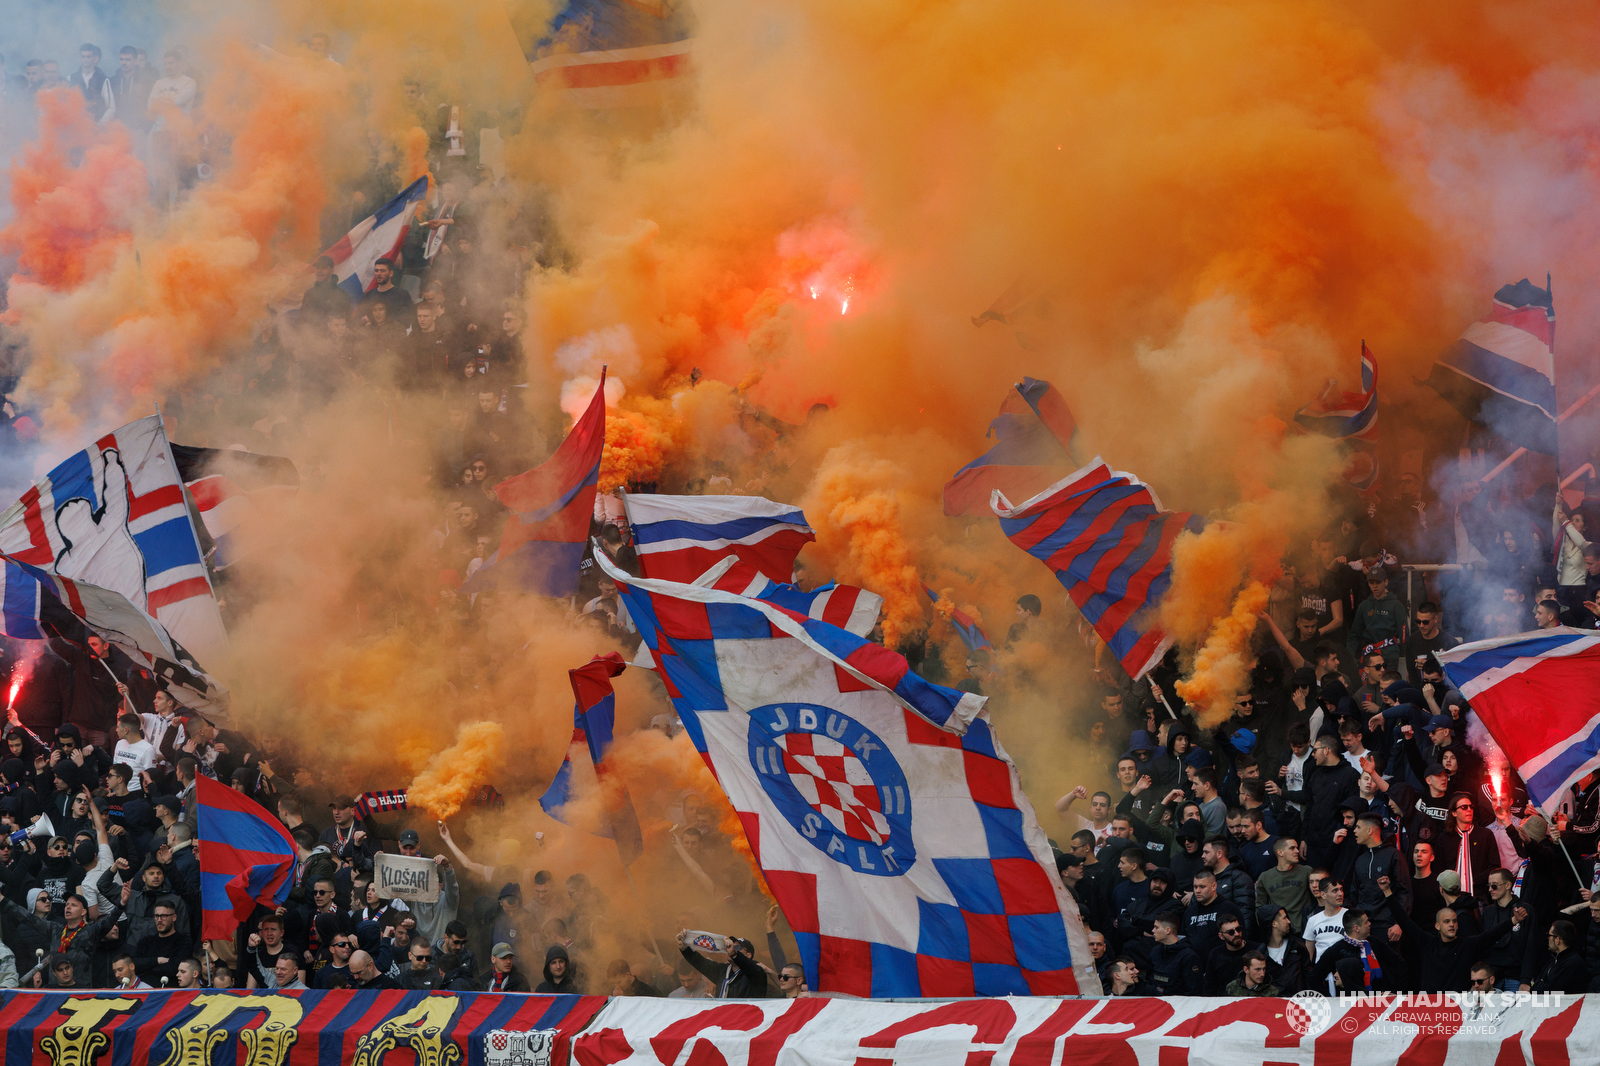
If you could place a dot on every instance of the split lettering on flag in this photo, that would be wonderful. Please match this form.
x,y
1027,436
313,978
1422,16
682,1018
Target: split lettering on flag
x,y
1106,537
594,717
1538,695
885,816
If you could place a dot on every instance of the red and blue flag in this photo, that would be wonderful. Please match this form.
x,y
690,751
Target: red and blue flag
x,y
1109,542
594,719
246,858
1346,415
1538,695
964,624
1034,432
1501,372
601,54
552,505
378,236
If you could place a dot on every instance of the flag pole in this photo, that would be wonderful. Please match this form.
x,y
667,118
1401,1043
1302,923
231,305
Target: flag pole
x,y
188,514
1562,417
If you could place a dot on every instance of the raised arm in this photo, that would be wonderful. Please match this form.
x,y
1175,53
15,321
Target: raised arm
x,y
484,872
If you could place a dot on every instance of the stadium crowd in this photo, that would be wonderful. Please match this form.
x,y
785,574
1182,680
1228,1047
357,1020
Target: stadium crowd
x,y
1345,829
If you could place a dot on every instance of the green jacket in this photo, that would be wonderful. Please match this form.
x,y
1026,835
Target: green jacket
x,y
1376,621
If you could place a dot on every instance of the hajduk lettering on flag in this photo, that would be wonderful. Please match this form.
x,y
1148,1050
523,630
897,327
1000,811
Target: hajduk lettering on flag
x,y
246,858
594,718
38,605
378,236
1501,373
114,515
1538,695
1109,542
542,541
230,488
885,816
600,54
1034,432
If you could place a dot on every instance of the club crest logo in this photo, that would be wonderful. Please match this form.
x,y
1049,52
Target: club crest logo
x,y
837,783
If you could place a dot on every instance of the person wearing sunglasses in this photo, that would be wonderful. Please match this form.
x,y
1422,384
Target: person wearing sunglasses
x,y
337,964
1470,850
792,981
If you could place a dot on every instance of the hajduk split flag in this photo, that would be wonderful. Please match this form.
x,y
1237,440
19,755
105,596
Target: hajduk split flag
x,y
1538,695
613,53
542,541
679,538
113,515
885,816
1109,542
1501,373
1034,433
378,236
38,605
230,488
246,858
594,719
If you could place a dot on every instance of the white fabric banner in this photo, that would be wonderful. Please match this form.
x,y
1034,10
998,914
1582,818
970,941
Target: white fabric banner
x,y
1501,1030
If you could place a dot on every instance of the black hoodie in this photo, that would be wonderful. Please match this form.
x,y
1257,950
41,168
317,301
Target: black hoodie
x,y
569,980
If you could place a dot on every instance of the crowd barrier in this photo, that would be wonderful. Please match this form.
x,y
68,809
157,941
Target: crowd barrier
x,y
393,1028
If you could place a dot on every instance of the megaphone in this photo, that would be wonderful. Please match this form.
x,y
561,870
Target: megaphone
x,y
41,828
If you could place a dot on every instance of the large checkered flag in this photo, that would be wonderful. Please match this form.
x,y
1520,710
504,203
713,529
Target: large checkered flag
x,y
886,817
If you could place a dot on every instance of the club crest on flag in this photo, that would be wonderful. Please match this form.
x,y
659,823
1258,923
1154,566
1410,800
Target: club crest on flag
x,y
837,783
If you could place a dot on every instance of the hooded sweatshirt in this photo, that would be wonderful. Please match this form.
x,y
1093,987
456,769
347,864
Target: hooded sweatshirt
x,y
568,982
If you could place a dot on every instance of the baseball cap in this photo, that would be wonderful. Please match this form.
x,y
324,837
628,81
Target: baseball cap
x,y
511,890
1450,881
1377,574
409,836
1435,770
502,951
1441,721
171,803
339,803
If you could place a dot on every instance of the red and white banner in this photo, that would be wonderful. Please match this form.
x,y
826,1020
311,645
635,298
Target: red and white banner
x,y
1503,1030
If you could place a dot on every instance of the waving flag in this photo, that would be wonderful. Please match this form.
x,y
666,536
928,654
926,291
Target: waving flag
x,y
886,818
378,236
1538,695
964,624
113,515
38,605
1501,373
552,504
1109,542
601,54
1346,415
246,857
1035,431
594,718
229,488
678,538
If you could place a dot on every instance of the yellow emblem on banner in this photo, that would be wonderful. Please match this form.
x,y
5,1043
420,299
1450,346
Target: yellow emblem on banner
x,y
77,1041
422,1029
268,1044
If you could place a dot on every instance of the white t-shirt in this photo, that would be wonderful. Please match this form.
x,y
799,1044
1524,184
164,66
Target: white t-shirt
x,y
1324,931
90,894
137,754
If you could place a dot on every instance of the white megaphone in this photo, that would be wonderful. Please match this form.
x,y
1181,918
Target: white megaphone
x,y
43,827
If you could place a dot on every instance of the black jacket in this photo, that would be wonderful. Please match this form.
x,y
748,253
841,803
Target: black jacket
x,y
1516,954
1371,864
1443,967
514,982
568,981
741,977
1175,970
1563,973
1291,974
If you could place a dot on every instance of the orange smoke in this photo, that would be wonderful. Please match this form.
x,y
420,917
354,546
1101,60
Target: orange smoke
x,y
1222,666
460,770
855,507
69,222
639,443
